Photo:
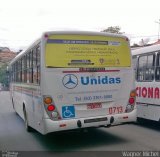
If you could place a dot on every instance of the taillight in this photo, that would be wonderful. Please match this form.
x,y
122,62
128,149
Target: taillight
x,y
51,108
46,36
127,39
133,94
48,100
131,101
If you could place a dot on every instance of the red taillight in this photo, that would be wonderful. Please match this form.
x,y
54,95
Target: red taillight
x,y
127,39
131,101
46,36
51,108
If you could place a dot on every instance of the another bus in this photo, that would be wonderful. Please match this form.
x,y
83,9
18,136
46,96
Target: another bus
x,y
147,70
72,80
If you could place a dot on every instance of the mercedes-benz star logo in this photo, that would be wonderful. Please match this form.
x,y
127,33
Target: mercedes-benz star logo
x,y
70,81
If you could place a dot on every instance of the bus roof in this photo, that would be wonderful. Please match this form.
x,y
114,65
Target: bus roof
x,y
85,33
145,50
65,33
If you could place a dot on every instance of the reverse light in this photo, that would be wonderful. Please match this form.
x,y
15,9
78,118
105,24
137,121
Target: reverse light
x,y
47,100
51,108
54,114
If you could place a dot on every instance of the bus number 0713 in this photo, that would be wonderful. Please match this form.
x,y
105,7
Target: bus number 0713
x,y
115,110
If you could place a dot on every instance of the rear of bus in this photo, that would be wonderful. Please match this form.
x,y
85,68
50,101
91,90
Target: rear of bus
x,y
87,80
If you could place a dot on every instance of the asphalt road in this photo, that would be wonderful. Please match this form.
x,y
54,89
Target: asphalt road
x,y
133,137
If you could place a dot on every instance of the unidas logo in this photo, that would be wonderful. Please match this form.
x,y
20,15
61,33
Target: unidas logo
x,y
100,80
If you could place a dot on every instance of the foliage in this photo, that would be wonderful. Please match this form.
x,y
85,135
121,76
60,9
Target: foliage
x,y
4,75
113,29
135,45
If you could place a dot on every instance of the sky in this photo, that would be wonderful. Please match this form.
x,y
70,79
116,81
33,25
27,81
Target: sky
x,y
23,21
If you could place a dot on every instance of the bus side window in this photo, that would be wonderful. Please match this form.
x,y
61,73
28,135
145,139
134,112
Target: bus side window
x,y
36,65
145,71
141,68
135,66
150,67
30,67
157,73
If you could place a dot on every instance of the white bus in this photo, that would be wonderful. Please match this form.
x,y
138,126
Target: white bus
x,y
147,71
70,80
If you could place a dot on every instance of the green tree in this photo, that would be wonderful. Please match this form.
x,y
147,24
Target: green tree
x,y
113,29
3,75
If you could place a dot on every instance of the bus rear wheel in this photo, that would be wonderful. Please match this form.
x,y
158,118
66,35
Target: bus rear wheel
x,y
28,128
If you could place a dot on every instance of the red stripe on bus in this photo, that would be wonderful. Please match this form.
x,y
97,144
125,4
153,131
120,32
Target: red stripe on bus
x,y
91,71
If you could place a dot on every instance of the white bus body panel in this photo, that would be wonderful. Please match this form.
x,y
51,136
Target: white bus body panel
x,y
76,97
148,104
148,93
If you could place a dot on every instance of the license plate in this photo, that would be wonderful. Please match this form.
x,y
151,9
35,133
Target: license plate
x,y
115,110
94,105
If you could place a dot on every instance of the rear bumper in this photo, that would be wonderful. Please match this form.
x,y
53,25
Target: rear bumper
x,y
53,126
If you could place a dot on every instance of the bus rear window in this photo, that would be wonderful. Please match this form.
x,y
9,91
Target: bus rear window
x,y
86,51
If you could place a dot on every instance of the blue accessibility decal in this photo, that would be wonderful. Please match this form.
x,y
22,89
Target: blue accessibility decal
x,y
68,112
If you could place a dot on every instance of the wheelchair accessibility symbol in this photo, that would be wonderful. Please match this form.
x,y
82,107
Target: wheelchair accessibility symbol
x,y
68,111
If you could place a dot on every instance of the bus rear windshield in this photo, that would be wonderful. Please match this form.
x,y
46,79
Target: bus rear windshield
x,y
86,51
